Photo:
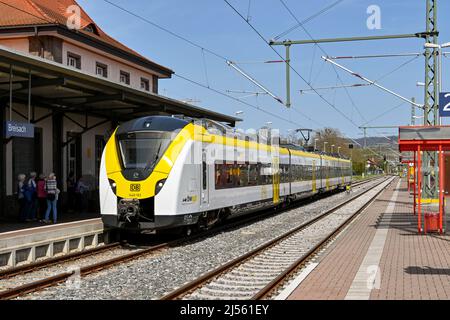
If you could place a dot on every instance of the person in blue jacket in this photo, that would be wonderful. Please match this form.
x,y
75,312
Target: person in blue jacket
x,y
21,196
30,194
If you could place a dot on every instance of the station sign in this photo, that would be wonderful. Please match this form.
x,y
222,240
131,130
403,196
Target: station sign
x,y
444,104
19,129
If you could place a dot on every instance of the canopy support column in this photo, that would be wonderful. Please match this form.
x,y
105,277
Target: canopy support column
x,y
419,191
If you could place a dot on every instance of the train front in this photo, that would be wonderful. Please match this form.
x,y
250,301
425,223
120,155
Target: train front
x,y
135,166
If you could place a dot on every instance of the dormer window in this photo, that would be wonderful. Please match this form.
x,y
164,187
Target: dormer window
x,y
92,28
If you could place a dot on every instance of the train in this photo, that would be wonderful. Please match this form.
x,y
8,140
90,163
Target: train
x,y
162,173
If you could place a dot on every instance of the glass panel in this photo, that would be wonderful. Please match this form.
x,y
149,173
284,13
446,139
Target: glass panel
x,y
143,152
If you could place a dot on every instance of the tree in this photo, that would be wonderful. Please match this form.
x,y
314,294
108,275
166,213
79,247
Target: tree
x,y
334,137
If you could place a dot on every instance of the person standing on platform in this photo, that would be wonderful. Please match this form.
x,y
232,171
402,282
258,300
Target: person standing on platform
x,y
51,187
31,197
21,196
42,196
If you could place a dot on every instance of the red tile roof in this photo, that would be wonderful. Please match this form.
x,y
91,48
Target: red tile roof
x,y
16,13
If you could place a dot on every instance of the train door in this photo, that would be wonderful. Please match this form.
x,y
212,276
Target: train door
x,y
313,177
276,179
204,181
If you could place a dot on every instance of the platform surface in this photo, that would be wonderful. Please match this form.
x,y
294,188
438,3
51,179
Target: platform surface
x,y
9,226
381,256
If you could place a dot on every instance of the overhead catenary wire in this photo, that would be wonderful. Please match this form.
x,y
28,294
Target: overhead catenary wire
x,y
214,54
289,64
371,82
317,45
176,35
236,99
202,48
298,74
310,18
384,113
205,67
334,68
370,56
255,82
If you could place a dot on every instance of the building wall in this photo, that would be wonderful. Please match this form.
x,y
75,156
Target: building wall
x,y
89,60
48,47
47,152
56,49
19,44
87,145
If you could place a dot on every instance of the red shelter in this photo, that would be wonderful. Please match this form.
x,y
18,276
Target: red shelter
x,y
418,139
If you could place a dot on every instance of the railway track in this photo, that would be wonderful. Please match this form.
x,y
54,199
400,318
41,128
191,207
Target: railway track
x,y
47,281
256,274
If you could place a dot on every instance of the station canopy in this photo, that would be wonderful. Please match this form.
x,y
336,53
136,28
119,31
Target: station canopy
x,y
428,138
61,88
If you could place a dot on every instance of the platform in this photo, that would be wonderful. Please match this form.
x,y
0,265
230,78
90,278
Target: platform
x,y
46,241
381,256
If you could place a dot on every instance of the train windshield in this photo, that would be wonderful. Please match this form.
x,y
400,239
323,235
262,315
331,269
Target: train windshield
x,y
143,150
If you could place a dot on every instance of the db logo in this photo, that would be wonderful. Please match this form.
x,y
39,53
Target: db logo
x,y
135,187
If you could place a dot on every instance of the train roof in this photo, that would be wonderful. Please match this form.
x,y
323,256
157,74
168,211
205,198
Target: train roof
x,y
152,123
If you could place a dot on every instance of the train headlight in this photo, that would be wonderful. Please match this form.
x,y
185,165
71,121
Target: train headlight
x,y
113,185
159,186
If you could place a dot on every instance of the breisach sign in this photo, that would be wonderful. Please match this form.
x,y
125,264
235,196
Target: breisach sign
x,y
19,129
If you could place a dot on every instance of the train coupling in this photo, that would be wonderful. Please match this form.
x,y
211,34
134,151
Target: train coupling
x,y
128,209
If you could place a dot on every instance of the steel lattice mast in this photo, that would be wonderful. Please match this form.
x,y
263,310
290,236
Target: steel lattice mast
x,y
431,105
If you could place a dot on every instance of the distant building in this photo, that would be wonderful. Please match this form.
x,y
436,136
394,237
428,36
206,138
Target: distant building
x,y
40,27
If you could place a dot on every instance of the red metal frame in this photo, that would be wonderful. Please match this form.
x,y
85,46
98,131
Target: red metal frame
x,y
415,181
419,190
441,188
418,146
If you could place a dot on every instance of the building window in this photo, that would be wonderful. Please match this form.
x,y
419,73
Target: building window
x,y
124,77
73,60
101,70
145,84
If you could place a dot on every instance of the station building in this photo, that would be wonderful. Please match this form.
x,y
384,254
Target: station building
x,y
63,91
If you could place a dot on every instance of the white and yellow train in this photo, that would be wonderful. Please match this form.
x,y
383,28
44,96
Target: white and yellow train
x,y
164,172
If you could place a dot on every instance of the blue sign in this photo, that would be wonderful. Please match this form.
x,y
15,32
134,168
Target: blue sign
x,y
19,129
444,104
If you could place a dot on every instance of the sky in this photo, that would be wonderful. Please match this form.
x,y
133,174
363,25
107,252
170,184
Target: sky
x,y
214,26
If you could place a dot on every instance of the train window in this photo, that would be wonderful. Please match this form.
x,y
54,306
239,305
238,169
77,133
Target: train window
x,y
253,174
308,171
224,176
284,172
228,175
301,173
242,175
297,173
142,152
219,176
266,173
